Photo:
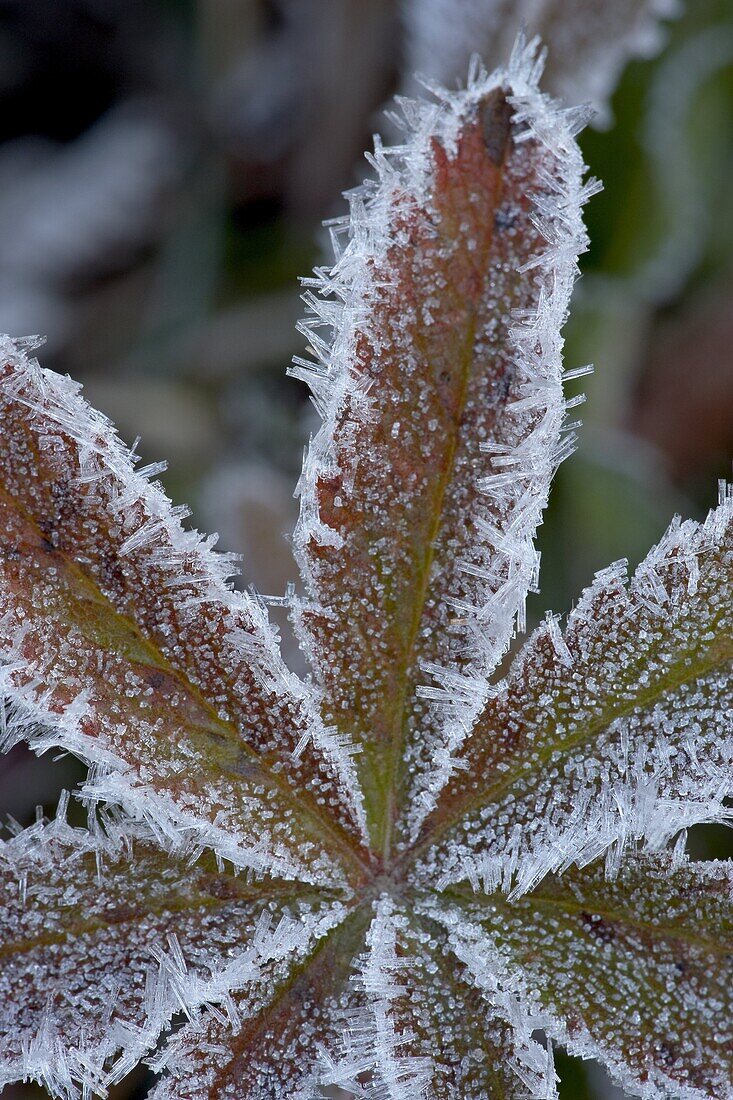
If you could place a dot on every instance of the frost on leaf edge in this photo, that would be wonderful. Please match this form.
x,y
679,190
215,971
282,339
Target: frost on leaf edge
x,y
336,299
65,1065
627,815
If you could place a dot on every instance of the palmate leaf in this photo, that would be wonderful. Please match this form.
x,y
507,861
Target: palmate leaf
x,y
496,858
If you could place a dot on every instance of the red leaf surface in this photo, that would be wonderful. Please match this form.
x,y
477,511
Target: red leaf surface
x,y
124,640
445,308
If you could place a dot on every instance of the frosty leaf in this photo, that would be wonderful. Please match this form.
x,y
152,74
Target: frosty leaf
x,y
510,867
273,1044
95,929
417,1026
120,635
589,41
636,972
618,730
440,389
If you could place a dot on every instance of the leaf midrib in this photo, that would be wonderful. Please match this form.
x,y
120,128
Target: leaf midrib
x,y
98,924
400,717
655,931
397,739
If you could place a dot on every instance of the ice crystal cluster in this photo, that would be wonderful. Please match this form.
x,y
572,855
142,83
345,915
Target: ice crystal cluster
x,y
407,876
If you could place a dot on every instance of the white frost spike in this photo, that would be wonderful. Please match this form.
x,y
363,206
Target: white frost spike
x,y
589,41
372,1044
555,635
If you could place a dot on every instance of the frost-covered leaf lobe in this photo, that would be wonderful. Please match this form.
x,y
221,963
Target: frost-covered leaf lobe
x,y
441,395
636,971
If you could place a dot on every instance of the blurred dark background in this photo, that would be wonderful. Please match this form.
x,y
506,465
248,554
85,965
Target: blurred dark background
x,y
164,167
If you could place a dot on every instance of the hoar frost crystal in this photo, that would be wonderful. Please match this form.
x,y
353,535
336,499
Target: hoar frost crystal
x,y
390,877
